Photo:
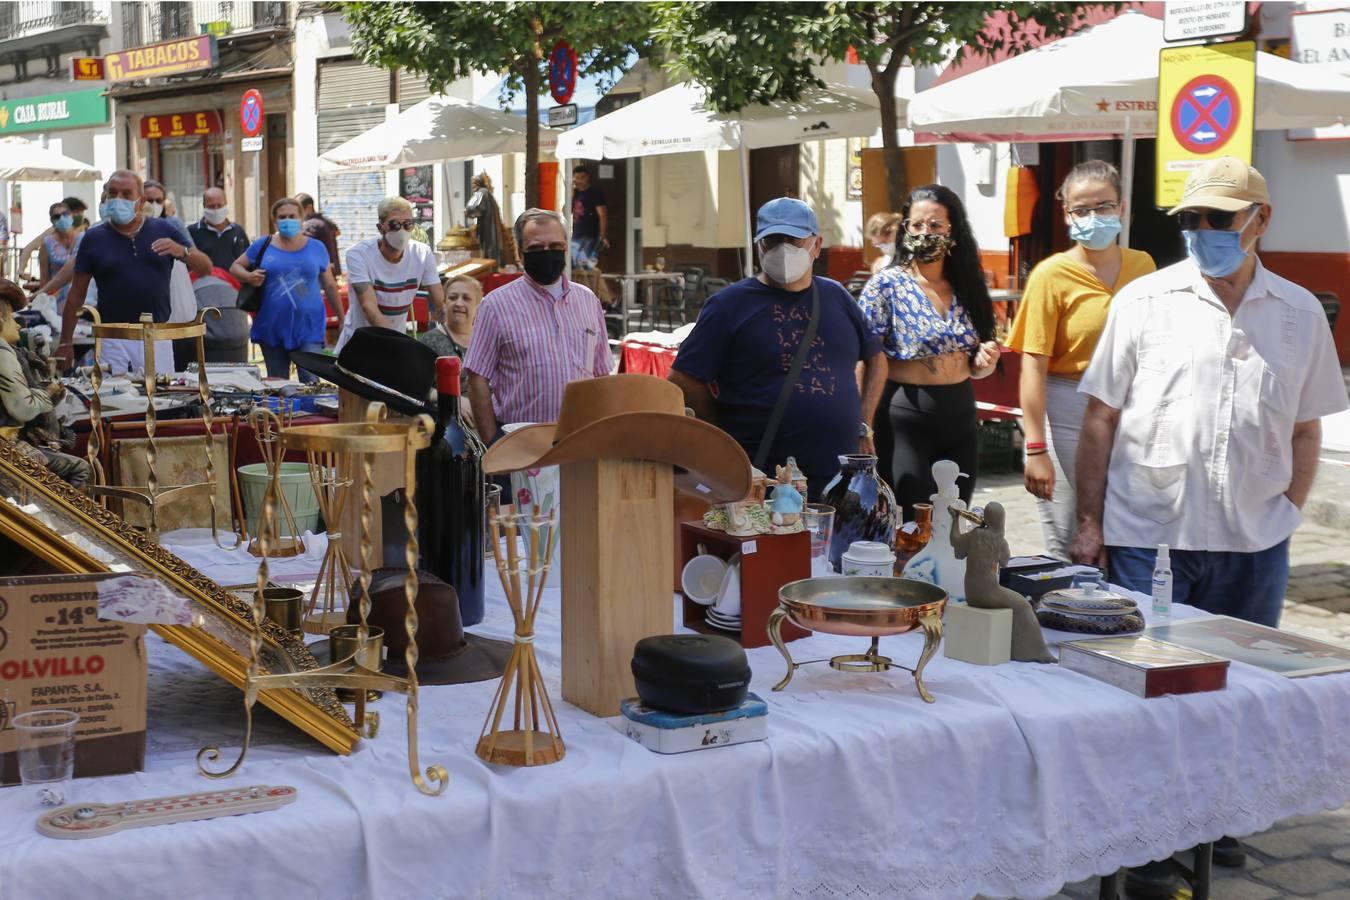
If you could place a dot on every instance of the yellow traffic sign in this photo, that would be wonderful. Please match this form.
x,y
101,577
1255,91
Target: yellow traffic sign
x,y
1206,108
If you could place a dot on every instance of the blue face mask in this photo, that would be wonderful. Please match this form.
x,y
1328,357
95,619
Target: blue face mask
x,y
65,222
121,211
289,228
103,209
1095,232
1217,253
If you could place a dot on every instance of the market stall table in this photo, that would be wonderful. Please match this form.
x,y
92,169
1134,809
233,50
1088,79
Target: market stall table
x,y
1018,779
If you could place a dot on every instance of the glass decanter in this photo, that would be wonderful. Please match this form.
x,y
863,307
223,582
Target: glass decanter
x,y
912,537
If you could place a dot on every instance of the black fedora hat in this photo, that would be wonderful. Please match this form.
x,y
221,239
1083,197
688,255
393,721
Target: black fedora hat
x,y
379,364
447,653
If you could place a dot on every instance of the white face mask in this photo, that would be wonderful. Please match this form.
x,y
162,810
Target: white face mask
x,y
397,239
216,216
887,249
786,263
153,210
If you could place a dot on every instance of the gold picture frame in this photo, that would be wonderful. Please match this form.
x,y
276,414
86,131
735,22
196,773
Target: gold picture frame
x,y
75,534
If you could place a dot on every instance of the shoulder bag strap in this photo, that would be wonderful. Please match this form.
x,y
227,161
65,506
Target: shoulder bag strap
x,y
790,382
257,260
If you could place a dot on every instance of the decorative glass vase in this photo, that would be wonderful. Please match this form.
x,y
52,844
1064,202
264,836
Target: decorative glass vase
x,y
864,507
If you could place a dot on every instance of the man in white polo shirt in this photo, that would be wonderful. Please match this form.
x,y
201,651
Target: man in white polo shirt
x,y
1202,429
385,273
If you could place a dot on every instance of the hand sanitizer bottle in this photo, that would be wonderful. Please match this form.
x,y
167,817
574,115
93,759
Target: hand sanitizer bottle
x,y
1162,584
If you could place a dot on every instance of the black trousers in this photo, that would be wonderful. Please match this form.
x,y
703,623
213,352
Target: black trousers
x,y
916,426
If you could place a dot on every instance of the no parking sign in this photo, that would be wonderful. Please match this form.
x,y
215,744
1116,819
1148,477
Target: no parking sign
x,y
1206,108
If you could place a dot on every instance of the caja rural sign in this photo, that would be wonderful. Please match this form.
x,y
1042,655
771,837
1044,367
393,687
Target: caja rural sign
x,y
50,112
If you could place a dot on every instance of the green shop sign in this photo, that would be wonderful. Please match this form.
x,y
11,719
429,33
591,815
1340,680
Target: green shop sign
x,y
51,112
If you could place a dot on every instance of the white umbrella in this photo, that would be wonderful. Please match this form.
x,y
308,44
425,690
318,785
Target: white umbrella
x,y
22,160
438,129
678,120
1103,82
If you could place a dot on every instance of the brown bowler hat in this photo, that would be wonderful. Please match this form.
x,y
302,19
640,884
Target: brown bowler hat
x,y
448,655
630,417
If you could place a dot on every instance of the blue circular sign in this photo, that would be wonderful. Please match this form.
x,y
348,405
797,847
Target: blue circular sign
x,y
1205,114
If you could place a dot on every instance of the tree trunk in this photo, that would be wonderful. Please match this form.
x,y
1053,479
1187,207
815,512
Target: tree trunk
x,y
883,85
531,76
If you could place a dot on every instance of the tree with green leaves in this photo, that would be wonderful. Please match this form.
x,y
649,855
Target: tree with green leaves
x,y
747,53
448,41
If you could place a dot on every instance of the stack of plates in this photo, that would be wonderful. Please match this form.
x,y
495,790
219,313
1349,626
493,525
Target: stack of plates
x,y
723,622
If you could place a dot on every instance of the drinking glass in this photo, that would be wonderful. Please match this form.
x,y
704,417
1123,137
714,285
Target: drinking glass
x,y
818,519
47,751
492,501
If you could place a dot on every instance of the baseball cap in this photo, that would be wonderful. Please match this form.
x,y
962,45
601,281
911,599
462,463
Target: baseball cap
x,y
785,215
1225,183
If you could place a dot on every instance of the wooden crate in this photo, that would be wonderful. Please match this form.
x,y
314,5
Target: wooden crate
x,y
768,561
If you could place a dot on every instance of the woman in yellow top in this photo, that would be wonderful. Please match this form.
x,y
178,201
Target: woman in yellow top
x,y
1060,317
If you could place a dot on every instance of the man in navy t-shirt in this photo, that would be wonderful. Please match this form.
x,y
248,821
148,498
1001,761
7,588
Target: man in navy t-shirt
x,y
732,366
130,257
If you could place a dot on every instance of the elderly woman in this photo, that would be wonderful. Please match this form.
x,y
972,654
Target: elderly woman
x,y
450,335
881,231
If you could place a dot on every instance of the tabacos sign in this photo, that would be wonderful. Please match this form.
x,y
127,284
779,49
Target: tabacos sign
x,y
197,54
50,112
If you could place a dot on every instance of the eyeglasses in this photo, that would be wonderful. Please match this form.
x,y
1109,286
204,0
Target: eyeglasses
x,y
1218,219
769,241
406,225
932,226
1109,208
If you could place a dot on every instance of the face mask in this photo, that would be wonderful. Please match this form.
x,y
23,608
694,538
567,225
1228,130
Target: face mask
x,y
1095,232
77,219
121,211
786,263
1217,253
65,222
103,209
289,228
887,249
216,216
154,210
544,266
397,239
927,248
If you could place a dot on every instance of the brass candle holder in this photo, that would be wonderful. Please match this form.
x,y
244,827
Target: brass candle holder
x,y
363,441
533,740
151,494
267,427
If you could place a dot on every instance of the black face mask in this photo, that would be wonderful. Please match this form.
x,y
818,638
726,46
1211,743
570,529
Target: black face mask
x,y
545,266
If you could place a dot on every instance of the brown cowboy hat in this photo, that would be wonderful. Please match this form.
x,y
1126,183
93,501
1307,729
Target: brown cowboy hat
x,y
12,294
447,653
630,417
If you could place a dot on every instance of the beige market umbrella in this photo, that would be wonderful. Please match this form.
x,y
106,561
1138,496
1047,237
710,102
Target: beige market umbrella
x,y
23,160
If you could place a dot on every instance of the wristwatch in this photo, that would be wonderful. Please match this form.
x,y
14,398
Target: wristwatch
x,y
865,430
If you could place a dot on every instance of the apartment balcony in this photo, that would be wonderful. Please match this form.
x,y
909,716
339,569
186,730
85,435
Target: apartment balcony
x,y
45,30
149,23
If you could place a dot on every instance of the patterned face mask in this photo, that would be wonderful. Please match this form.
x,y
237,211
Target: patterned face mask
x,y
927,248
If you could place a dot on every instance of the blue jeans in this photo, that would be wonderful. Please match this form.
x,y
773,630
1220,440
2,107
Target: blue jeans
x,y
1243,585
584,251
278,361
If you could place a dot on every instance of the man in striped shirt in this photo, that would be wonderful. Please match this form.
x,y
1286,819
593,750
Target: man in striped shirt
x,y
535,334
384,274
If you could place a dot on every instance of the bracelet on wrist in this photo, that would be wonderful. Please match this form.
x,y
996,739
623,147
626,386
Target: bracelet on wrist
x,y
1036,445
1037,452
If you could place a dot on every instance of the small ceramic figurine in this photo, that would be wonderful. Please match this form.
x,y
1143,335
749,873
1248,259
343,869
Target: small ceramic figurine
x,y
790,474
787,505
936,563
985,550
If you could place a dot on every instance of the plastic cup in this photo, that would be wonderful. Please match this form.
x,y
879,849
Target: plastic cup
x,y
47,751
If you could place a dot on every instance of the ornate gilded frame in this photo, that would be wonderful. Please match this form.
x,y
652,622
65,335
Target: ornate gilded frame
x,y
70,531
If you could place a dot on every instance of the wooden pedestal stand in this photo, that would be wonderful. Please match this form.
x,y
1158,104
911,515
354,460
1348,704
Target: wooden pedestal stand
x,y
617,555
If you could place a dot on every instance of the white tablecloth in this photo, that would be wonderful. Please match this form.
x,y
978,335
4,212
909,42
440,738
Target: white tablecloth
x,y
1018,779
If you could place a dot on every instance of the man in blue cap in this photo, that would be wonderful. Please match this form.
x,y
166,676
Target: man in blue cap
x,y
743,366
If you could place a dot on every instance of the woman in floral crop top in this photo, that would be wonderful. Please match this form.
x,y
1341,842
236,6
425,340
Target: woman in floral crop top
x,y
932,312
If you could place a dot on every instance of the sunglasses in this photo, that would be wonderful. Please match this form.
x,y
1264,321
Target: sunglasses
x,y
1218,219
407,225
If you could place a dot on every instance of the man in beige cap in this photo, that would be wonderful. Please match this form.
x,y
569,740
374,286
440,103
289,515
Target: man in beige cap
x,y
1202,429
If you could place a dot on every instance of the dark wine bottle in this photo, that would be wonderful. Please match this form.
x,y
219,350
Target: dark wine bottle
x,y
450,498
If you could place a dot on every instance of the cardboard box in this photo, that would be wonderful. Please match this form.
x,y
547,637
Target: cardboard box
x,y
667,732
55,653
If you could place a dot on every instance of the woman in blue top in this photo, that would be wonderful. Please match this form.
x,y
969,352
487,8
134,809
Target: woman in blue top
x,y
291,270
58,247
932,311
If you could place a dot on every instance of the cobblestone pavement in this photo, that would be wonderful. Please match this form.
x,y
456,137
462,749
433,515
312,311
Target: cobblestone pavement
x,y
1308,856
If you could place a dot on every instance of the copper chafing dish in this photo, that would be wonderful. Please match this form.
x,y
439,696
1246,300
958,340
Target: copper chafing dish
x,y
858,606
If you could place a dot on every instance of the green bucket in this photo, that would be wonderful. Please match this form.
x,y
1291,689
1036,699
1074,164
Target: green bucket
x,y
294,483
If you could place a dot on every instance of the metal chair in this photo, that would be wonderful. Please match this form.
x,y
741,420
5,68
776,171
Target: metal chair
x,y
711,286
1331,305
